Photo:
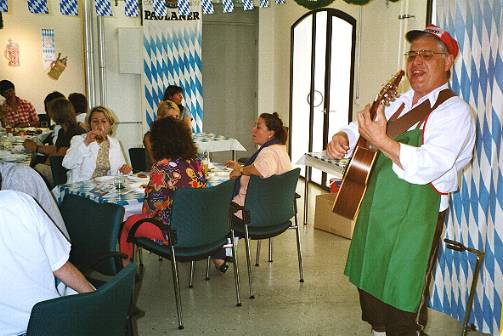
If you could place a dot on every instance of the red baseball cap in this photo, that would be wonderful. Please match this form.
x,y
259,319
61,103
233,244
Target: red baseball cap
x,y
442,35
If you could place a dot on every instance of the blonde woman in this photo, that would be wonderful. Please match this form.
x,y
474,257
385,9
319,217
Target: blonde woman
x,y
95,153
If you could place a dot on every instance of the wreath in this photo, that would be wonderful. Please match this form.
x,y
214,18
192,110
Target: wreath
x,y
314,4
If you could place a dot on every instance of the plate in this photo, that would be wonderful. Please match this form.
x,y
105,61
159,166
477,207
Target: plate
x,y
104,178
13,157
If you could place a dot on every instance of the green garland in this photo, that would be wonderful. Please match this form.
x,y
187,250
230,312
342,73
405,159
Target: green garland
x,y
315,4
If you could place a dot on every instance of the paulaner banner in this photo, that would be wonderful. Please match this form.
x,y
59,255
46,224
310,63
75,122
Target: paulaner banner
x,y
172,56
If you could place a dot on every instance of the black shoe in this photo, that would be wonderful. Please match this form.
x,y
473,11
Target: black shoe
x,y
223,268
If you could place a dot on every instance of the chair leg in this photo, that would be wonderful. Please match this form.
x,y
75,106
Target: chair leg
x,y
248,262
208,268
299,251
270,250
139,250
191,278
257,254
176,286
236,272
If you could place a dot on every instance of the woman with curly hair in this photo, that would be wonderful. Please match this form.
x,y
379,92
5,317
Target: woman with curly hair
x,y
176,166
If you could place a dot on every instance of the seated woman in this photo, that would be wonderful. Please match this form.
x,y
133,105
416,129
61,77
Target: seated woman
x,y
95,153
63,114
176,166
270,159
165,109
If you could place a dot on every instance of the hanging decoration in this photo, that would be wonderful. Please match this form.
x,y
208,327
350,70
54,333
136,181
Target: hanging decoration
x,y
11,53
314,4
159,7
280,2
363,2
4,6
38,6
131,8
69,7
227,6
103,7
248,5
183,7
57,67
48,47
264,3
207,6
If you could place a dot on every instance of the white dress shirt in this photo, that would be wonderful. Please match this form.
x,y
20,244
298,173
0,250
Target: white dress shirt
x,y
448,141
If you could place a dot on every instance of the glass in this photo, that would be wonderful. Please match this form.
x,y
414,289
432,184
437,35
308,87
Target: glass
x,y
206,162
425,55
120,182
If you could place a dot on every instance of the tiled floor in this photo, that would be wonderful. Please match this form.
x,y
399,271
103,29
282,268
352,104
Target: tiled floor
x,y
325,304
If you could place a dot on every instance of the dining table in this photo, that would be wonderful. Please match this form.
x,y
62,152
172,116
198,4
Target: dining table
x,y
11,144
131,194
211,142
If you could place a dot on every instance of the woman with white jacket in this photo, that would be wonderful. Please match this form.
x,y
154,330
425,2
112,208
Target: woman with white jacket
x,y
95,153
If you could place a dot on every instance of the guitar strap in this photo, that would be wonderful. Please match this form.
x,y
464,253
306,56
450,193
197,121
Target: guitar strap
x,y
397,126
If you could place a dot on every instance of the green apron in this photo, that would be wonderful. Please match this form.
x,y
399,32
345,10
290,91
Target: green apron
x,y
388,256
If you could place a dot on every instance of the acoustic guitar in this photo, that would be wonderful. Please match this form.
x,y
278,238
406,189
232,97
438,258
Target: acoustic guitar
x,y
354,182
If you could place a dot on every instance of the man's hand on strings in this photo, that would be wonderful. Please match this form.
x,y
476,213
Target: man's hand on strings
x,y
374,131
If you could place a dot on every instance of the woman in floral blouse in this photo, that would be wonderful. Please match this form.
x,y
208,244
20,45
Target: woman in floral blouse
x,y
176,166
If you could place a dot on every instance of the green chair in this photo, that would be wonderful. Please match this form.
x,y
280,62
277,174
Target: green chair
x,y
58,171
103,312
94,231
268,208
138,158
199,226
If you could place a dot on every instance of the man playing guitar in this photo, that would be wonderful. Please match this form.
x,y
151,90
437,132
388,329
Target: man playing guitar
x,y
401,216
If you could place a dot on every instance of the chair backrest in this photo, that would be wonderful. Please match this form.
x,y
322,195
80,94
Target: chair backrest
x,y
58,171
270,201
201,216
103,312
138,158
94,231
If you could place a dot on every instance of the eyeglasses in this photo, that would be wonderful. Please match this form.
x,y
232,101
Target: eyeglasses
x,y
425,55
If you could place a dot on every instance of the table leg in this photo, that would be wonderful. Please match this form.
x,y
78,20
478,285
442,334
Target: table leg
x,y
234,157
307,178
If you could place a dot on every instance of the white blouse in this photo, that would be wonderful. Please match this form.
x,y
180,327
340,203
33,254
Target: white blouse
x,y
80,158
448,141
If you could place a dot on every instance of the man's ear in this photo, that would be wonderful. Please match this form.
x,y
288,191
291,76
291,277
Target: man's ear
x,y
449,62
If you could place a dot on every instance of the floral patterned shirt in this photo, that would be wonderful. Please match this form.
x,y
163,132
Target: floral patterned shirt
x,y
165,177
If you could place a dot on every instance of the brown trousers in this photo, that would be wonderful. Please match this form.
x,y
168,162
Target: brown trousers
x,y
396,322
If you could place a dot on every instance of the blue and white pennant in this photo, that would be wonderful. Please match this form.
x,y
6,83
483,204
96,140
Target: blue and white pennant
x,y
248,4
69,7
227,6
38,6
264,3
131,8
207,6
183,7
280,2
103,7
3,6
160,8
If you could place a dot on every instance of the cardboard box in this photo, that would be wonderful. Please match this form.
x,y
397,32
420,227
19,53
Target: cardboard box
x,y
326,220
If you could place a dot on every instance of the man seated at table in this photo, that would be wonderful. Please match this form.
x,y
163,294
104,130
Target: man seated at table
x,y
25,179
34,252
15,111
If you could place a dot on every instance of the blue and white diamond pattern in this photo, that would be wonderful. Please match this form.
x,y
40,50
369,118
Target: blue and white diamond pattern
x,y
160,8
183,7
248,5
280,2
174,57
131,8
476,213
264,3
38,6
103,7
207,6
69,7
227,6
4,6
